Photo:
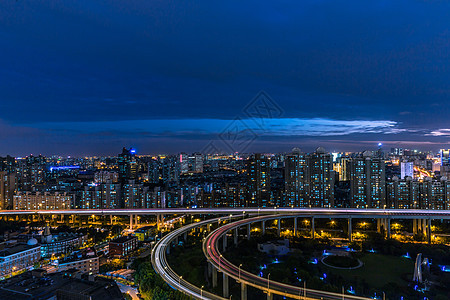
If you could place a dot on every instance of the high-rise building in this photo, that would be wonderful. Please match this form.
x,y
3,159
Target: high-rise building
x,y
128,166
434,194
153,171
295,179
184,163
258,181
30,172
309,179
407,170
402,194
367,181
171,169
42,201
198,162
8,187
320,178
445,157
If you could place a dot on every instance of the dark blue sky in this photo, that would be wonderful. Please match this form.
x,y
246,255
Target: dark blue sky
x,y
88,77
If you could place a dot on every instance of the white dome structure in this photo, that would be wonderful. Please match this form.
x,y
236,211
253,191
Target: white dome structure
x,y
32,242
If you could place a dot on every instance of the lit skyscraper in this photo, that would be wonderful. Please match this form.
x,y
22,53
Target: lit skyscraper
x,y
320,178
258,181
407,170
367,181
309,179
295,179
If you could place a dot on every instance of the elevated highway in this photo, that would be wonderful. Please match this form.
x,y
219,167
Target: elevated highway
x,y
245,278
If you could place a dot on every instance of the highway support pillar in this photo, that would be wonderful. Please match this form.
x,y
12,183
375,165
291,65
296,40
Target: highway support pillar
x,y
378,225
131,222
350,229
414,227
424,226
158,222
279,227
111,219
243,291
269,296
225,238
295,226
313,229
209,270
249,230
388,227
263,227
136,220
428,230
236,236
226,291
185,236
214,277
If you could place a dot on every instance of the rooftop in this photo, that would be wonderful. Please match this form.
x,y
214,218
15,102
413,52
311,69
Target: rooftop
x,y
123,239
16,249
27,286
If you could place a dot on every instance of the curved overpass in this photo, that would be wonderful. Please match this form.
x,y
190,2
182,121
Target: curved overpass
x,y
214,256
162,267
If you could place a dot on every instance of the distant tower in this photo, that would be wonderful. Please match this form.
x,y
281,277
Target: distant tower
x,y
418,269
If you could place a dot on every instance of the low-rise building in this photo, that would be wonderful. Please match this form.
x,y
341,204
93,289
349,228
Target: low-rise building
x,y
85,265
122,246
61,243
37,284
19,257
144,233
279,247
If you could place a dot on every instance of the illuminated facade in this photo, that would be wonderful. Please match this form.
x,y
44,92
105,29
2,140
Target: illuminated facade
x,y
367,181
43,201
309,179
295,183
402,194
320,179
258,181
8,186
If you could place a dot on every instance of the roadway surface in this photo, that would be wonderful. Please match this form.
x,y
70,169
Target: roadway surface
x,y
317,212
128,290
161,266
214,256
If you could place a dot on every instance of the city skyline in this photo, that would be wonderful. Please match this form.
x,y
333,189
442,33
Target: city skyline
x,y
161,75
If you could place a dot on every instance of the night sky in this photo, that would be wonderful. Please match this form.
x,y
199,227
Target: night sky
x,y
84,77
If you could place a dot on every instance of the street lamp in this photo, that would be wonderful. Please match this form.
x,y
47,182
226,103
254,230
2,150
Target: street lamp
x,y
268,284
240,272
179,280
219,261
201,292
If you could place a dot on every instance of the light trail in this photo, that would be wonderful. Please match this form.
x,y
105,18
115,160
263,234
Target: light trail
x,y
214,256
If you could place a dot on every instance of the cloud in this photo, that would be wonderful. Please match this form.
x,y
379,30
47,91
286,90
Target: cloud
x,y
207,127
440,132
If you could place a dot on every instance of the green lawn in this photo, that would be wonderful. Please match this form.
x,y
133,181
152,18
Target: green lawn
x,y
379,270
